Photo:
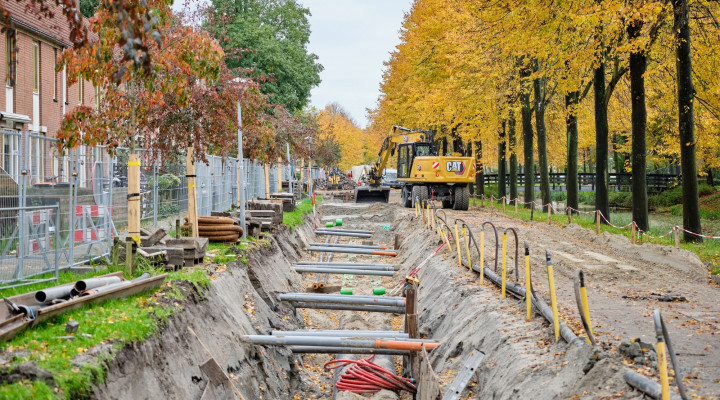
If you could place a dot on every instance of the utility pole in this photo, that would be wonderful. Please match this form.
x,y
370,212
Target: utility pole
x,y
241,173
290,169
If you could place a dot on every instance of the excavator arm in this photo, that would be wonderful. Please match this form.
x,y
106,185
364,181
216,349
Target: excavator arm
x,y
398,134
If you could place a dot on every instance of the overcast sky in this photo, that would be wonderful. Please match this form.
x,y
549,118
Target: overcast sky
x,y
352,38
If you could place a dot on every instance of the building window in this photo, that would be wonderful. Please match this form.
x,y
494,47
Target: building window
x,y
10,58
80,91
36,67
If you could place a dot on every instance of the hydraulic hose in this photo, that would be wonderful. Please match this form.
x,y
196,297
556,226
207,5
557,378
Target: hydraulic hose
x,y
364,376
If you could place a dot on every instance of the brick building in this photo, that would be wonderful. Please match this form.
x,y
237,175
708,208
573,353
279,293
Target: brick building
x,y
36,97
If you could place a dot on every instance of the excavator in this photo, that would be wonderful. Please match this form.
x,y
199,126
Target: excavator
x,y
422,173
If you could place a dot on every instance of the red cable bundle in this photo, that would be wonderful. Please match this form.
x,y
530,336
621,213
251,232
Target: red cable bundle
x,y
364,376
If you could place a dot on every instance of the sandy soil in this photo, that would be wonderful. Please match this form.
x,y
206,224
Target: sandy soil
x,y
625,283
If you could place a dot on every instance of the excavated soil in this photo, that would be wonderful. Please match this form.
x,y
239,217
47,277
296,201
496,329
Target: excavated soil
x,y
522,358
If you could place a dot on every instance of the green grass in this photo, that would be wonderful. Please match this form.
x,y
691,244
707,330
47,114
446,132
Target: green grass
x,y
115,322
708,251
296,218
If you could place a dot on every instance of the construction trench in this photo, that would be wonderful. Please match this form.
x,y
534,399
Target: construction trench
x,y
457,316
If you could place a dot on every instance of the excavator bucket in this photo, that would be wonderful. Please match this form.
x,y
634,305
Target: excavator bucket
x,y
367,194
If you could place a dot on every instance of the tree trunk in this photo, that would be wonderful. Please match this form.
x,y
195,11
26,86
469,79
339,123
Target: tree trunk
x,y
710,180
602,199
571,100
539,88
479,170
526,113
686,118
513,156
502,163
638,64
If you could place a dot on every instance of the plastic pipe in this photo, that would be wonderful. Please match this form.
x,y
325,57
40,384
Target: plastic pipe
x,y
346,230
504,266
351,250
338,264
553,295
336,298
363,267
645,385
85,284
114,286
346,350
345,334
350,307
359,246
410,345
663,341
53,293
342,271
349,234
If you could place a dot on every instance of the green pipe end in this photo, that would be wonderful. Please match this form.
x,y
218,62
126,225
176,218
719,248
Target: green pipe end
x,y
378,291
347,291
329,225
338,222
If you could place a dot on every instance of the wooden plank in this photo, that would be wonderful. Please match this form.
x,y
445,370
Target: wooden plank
x,y
428,386
209,354
133,197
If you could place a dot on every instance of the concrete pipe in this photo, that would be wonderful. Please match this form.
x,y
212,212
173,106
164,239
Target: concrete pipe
x,y
341,271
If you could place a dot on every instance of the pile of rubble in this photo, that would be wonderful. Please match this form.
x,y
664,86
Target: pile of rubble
x,y
336,182
162,250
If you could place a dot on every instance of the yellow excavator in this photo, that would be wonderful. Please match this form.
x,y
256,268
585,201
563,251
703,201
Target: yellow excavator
x,y
422,172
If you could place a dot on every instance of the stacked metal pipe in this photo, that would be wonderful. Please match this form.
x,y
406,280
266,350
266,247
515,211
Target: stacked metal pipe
x,y
345,302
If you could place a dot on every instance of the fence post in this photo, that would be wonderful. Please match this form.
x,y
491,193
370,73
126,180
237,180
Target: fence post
x,y
155,193
569,215
549,212
516,207
192,200
597,221
632,233
677,237
133,196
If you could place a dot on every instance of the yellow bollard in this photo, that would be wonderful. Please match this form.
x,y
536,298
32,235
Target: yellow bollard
x,y
416,211
467,249
662,369
528,288
457,242
504,264
482,256
553,296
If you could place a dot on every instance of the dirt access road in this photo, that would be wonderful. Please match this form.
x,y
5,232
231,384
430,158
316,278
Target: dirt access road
x,y
625,284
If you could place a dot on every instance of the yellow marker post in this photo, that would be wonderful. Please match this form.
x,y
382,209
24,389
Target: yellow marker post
x,y
662,369
467,249
504,264
482,256
416,210
429,215
445,240
586,308
528,287
553,295
457,243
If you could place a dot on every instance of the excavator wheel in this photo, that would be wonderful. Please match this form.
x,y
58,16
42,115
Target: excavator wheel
x,y
420,193
406,199
462,199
